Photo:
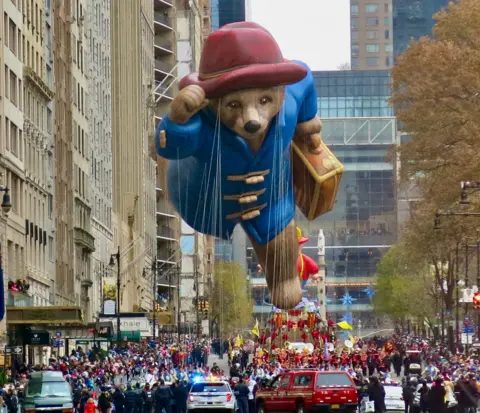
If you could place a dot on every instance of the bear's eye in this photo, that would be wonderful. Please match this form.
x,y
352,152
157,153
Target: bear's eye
x,y
233,105
265,100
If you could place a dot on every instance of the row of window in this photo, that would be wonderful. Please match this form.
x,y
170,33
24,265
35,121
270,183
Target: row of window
x,y
79,96
373,61
372,48
13,88
81,182
80,139
102,212
370,35
370,22
78,54
371,8
22,48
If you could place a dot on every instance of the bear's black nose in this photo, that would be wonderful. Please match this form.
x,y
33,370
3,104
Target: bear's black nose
x,y
252,126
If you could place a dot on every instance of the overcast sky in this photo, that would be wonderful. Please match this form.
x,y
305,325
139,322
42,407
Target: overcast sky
x,y
314,31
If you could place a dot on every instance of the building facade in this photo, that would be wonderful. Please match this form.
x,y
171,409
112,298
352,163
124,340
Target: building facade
x,y
132,173
371,34
413,19
227,11
98,67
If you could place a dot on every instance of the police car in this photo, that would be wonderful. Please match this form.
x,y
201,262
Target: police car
x,y
209,395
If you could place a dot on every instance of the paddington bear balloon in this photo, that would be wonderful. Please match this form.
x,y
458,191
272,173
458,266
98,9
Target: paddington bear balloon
x,y
243,142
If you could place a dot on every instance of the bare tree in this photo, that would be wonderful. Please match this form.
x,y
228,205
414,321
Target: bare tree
x,y
345,66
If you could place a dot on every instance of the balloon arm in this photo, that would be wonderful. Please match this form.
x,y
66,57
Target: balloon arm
x,y
180,140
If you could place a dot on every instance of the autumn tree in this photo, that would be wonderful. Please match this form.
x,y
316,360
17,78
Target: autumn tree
x,y
436,95
232,305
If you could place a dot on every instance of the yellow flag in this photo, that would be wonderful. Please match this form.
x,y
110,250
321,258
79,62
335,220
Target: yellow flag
x,y
239,341
344,325
255,330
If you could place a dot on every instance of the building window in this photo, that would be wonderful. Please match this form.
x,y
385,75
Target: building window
x,y
372,21
387,21
389,61
355,49
372,61
13,138
12,36
371,34
50,248
354,9
13,88
355,62
373,48
354,36
388,48
354,22
388,8
50,205
387,34
371,8
49,120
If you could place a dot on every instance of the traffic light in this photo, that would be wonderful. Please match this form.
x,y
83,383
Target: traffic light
x,y
476,300
205,309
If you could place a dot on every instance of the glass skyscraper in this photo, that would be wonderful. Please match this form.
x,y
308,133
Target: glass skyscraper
x,y
226,11
413,19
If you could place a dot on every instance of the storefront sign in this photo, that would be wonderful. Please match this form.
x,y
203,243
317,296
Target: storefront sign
x,y
141,324
38,338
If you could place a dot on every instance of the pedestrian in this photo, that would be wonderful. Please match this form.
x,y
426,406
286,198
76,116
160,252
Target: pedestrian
x,y
408,393
252,388
90,406
436,396
241,393
147,398
163,398
423,392
376,394
130,399
180,395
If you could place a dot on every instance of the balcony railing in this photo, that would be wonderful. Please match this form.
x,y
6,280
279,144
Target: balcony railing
x,y
163,66
160,4
166,232
163,20
163,47
84,239
164,91
19,299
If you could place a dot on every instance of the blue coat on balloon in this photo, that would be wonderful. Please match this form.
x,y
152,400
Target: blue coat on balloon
x,y
208,162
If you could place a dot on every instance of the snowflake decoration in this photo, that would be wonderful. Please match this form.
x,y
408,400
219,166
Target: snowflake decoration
x,y
369,291
347,299
348,318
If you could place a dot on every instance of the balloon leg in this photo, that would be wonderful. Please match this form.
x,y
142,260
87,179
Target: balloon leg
x,y
279,260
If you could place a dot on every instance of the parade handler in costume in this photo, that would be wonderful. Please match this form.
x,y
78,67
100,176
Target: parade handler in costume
x,y
228,138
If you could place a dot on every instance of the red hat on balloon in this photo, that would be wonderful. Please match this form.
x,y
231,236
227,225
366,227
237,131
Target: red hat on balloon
x,y
242,56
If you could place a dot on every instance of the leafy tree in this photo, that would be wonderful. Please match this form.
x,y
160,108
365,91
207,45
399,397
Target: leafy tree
x,y
404,287
231,303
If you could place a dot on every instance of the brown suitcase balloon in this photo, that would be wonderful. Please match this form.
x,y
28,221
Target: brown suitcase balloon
x,y
316,179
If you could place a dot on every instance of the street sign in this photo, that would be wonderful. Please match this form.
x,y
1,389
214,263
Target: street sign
x,y
59,333
15,350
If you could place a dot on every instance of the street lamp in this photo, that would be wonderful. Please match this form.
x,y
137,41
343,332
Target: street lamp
x,y
6,204
115,259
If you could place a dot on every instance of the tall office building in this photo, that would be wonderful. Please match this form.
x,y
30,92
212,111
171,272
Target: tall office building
x,y
26,162
196,268
165,85
133,171
413,19
75,242
371,34
227,11
98,67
